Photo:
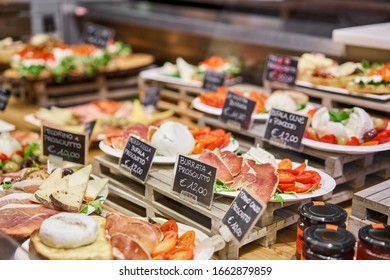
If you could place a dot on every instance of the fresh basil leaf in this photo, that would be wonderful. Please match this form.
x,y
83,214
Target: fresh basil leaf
x,y
339,115
301,106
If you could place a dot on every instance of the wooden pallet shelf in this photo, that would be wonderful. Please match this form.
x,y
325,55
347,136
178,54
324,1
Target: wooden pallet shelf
x,y
155,199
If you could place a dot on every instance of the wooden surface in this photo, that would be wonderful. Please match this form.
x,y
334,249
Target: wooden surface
x,y
283,249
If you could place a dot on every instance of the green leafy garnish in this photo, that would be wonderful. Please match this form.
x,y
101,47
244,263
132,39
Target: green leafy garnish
x,y
97,204
29,151
340,115
221,187
7,185
301,106
279,198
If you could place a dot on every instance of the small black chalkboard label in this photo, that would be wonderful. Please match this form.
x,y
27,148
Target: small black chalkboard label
x,y
194,180
285,129
242,215
238,109
5,94
282,69
137,158
152,96
69,146
213,80
97,35
88,128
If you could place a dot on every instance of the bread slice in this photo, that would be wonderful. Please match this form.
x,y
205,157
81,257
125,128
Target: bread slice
x,y
99,250
69,199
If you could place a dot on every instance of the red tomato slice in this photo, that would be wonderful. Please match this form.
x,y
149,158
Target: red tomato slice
x,y
3,156
181,254
382,137
310,136
284,187
300,189
329,138
187,238
167,244
285,163
300,168
286,177
353,141
170,225
305,178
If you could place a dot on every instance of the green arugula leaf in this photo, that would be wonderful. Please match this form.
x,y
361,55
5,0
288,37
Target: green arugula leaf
x,y
84,210
29,151
7,185
279,198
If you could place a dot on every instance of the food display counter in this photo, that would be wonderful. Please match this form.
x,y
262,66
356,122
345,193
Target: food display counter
x,y
214,155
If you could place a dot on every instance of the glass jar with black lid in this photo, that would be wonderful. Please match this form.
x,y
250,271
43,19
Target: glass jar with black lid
x,y
374,242
328,242
317,213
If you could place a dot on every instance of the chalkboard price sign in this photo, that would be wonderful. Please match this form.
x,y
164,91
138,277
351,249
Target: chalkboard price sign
x,y
213,80
282,69
152,95
242,215
285,129
69,146
238,109
194,180
88,128
5,94
97,35
137,159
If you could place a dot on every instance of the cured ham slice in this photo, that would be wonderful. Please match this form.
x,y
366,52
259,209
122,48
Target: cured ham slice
x,y
118,140
232,161
146,236
223,172
19,220
125,248
16,198
266,180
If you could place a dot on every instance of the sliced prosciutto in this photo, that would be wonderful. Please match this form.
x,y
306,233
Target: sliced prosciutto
x,y
20,220
16,198
118,140
223,172
145,235
232,161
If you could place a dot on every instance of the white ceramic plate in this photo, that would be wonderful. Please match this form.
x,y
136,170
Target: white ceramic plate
x,y
202,252
198,105
233,146
343,91
353,150
6,127
328,184
157,74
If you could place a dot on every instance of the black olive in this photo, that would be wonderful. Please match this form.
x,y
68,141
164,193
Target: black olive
x,y
367,136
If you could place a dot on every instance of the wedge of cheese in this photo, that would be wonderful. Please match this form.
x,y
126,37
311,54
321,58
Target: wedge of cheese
x,y
69,199
43,195
81,176
94,188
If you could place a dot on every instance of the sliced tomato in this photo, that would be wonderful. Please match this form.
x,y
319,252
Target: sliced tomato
x,y
382,137
305,178
167,244
370,143
217,143
161,256
181,254
300,188
199,147
284,187
286,177
299,169
226,140
353,141
311,112
285,163
329,138
187,238
170,225
201,131
316,177
3,156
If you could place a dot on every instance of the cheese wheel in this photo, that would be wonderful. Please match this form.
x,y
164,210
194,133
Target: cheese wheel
x,y
68,230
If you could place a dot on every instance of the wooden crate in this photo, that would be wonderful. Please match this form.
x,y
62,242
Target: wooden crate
x,y
78,89
344,168
155,198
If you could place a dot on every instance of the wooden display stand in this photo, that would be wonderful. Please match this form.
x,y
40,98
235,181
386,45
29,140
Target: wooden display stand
x,y
371,205
118,84
156,199
344,168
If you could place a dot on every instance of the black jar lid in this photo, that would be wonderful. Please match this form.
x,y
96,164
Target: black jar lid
x,y
319,212
376,236
329,240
